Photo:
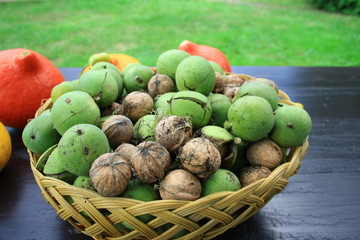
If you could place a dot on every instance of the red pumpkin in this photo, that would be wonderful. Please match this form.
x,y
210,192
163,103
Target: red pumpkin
x,y
26,78
207,52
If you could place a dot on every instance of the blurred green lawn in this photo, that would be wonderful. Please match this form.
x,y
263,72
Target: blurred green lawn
x,y
263,32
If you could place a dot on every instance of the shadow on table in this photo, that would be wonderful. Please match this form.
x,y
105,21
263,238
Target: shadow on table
x,y
253,228
12,178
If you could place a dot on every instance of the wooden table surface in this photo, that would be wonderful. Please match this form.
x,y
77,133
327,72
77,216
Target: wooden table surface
x,y
322,201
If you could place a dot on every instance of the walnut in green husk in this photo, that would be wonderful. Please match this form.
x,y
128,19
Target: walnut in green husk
x,y
269,82
221,180
144,128
84,182
53,168
219,136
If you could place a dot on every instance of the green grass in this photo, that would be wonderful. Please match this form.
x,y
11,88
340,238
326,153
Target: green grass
x,y
263,32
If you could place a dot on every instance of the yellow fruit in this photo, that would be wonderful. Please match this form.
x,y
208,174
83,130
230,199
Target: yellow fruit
x,y
120,60
299,105
5,146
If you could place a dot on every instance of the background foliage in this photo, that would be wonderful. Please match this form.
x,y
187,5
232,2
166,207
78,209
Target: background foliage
x,y
252,32
343,6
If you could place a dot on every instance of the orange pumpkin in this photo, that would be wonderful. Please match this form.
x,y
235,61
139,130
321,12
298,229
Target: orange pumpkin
x,y
121,60
26,78
207,52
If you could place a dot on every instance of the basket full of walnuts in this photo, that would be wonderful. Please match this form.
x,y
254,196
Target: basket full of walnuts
x,y
183,150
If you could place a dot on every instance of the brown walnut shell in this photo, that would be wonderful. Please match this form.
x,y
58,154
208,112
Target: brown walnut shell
x,y
114,109
219,83
126,150
173,131
249,175
137,104
160,84
110,174
118,129
231,91
200,157
180,184
150,161
265,153
234,80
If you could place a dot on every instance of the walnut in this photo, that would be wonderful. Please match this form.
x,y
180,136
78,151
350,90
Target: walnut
x,y
150,161
200,157
180,184
110,174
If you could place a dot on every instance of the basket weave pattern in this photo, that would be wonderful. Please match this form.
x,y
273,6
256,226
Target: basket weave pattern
x,y
204,218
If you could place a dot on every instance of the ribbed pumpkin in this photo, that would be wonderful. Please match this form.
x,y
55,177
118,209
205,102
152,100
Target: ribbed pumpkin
x,y
26,78
208,52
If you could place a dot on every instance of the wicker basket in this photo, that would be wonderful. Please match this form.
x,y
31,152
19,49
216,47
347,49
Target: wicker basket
x,y
204,218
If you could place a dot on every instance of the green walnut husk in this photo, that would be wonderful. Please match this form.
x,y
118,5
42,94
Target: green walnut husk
x,y
292,126
240,160
193,105
220,105
217,67
250,118
219,136
84,182
128,67
140,191
80,146
63,87
99,57
144,128
73,108
102,120
260,89
168,61
221,180
101,85
224,141
114,71
195,73
162,103
137,78
54,168
143,192
40,164
39,134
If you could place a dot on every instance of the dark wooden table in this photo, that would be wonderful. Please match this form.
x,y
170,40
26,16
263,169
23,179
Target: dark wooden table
x,y
322,201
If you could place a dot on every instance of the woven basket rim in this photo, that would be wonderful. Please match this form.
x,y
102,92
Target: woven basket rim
x,y
276,181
